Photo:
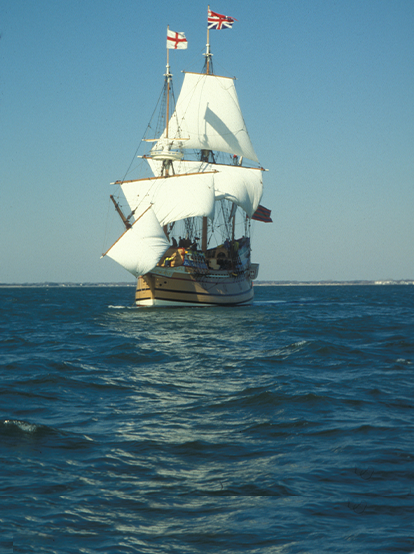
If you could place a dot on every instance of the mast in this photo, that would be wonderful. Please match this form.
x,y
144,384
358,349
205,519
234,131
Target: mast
x,y
208,58
166,163
168,79
204,235
208,54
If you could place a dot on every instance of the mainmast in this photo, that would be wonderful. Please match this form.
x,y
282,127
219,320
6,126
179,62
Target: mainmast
x,y
205,154
208,54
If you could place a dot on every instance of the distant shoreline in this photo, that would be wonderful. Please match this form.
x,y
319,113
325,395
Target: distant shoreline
x,y
332,283
256,284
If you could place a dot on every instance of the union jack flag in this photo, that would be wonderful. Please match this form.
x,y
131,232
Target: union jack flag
x,y
262,214
218,21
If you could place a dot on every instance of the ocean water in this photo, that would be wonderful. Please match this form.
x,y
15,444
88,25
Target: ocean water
x,y
283,427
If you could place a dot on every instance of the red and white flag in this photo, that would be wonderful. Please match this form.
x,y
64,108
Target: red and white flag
x,y
262,214
176,40
218,21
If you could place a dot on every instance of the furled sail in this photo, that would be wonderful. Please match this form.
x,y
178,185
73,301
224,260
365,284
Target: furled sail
x,y
208,116
173,198
140,248
241,185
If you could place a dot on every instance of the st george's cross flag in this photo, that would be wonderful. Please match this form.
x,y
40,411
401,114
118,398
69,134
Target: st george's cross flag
x,y
218,21
177,41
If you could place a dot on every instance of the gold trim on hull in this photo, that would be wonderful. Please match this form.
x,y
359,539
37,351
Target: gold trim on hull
x,y
184,286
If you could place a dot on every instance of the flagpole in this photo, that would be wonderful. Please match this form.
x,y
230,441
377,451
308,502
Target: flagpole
x,y
208,55
168,76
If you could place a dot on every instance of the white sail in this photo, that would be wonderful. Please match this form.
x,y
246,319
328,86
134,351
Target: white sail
x,y
173,198
241,185
141,247
209,116
156,166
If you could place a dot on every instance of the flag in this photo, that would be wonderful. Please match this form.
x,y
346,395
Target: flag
x,y
262,214
218,21
176,40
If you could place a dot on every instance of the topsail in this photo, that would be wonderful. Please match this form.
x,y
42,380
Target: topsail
x,y
208,117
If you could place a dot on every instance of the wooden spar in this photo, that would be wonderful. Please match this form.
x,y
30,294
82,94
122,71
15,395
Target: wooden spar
x,y
208,45
204,235
121,215
166,165
232,218
205,223
161,177
168,76
197,73
128,228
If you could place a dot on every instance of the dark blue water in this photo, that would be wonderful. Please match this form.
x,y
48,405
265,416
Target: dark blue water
x,y
284,427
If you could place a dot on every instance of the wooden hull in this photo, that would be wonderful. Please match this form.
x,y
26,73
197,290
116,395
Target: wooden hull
x,y
184,286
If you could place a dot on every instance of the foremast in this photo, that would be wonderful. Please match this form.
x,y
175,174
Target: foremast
x,y
167,164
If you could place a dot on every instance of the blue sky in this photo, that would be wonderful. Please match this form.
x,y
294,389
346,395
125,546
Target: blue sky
x,y
326,89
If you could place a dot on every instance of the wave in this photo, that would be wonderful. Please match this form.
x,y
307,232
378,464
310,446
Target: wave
x,y
21,429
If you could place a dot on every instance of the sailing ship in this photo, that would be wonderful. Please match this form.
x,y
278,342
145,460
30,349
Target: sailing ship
x,y
187,237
